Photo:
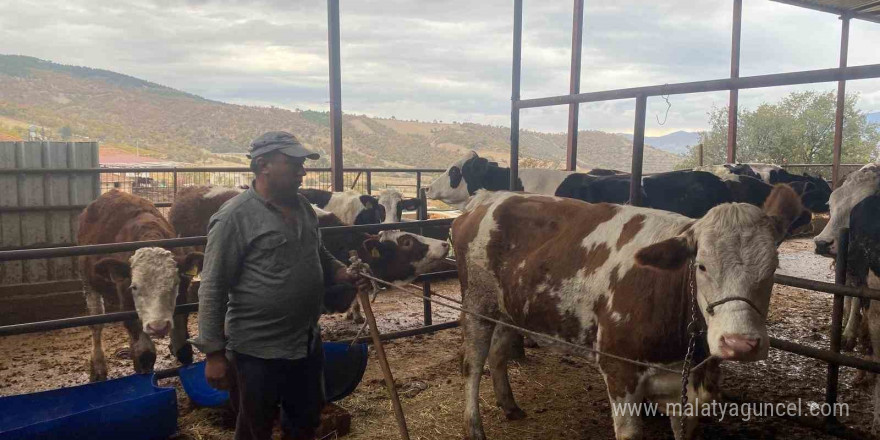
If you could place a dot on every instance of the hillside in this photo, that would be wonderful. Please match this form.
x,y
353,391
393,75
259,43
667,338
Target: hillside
x,y
80,103
675,142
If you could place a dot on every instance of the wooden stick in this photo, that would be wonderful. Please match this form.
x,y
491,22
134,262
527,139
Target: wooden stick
x,y
364,298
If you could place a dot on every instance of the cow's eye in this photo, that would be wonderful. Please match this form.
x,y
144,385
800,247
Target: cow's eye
x,y
701,267
134,287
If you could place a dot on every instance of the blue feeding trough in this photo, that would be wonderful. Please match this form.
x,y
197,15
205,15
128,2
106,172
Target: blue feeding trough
x,y
132,407
343,369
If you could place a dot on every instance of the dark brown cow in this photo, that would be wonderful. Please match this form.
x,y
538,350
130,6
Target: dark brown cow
x,y
148,280
187,214
615,278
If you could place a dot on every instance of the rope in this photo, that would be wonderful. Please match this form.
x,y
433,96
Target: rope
x,y
530,332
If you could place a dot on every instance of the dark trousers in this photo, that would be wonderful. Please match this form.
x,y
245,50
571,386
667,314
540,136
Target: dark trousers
x,y
260,385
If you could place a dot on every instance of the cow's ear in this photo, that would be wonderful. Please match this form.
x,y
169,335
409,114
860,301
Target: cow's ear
x,y
668,254
369,201
784,208
373,249
113,270
411,204
191,264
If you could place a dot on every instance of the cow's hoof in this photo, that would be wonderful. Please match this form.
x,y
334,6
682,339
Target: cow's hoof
x,y
185,355
848,343
515,414
144,362
358,319
97,373
529,342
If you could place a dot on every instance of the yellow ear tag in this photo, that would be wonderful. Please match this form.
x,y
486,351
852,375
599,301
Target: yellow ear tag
x,y
375,253
193,271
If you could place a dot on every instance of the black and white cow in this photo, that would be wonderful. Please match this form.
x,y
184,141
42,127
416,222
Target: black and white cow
x,y
472,173
354,208
814,190
863,270
857,187
691,193
393,203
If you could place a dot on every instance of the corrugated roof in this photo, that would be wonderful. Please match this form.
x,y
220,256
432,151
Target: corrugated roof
x,y
861,9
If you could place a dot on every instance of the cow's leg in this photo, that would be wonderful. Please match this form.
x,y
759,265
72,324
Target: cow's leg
x,y
354,312
624,394
477,340
851,331
504,342
143,352
180,348
872,316
664,389
97,362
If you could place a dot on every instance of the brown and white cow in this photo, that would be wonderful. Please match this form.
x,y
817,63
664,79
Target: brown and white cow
x,y
148,281
615,278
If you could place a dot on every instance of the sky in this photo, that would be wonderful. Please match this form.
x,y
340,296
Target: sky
x,y
447,60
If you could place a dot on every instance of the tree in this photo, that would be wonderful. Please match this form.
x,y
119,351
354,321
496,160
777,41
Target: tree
x,y
797,129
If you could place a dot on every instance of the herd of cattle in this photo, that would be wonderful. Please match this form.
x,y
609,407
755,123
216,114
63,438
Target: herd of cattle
x,y
623,288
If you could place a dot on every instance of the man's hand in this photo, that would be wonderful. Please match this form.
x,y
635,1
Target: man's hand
x,y
217,370
342,276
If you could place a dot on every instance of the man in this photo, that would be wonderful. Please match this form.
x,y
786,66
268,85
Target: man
x,y
263,281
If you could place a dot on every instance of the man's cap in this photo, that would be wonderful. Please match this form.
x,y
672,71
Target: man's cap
x,y
280,141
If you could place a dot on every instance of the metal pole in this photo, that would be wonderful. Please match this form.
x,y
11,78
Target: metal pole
x,y
841,104
733,105
370,182
713,85
426,284
514,96
174,184
335,96
837,319
419,186
426,291
700,153
577,37
635,184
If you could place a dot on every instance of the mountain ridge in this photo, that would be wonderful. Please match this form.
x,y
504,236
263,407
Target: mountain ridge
x,y
94,104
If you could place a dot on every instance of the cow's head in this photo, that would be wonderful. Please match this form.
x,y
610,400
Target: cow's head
x,y
461,180
816,193
857,186
370,211
152,275
402,256
394,204
733,248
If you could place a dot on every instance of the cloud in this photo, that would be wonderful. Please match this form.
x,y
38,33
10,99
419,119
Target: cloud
x,y
445,59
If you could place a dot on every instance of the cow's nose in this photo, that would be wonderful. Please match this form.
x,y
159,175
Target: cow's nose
x,y
823,247
158,328
738,346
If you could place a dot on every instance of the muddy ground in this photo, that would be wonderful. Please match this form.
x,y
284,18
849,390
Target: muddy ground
x,y
564,396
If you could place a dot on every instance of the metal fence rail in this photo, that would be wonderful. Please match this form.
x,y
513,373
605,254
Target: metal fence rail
x,y
160,184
